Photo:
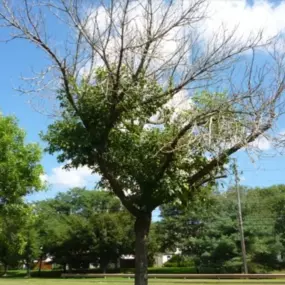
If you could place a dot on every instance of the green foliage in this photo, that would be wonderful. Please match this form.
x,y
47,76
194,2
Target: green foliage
x,y
207,231
81,227
172,270
20,167
180,261
32,248
106,126
11,241
153,244
18,236
20,172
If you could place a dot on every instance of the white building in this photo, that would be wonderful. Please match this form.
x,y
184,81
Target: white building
x,y
162,258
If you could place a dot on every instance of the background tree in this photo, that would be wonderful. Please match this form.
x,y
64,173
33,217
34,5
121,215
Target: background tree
x,y
20,167
52,231
11,240
207,231
20,172
120,83
19,242
112,237
83,227
32,248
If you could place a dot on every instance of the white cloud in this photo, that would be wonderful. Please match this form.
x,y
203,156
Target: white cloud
x,y
180,101
229,14
222,18
222,15
79,177
261,143
247,19
167,48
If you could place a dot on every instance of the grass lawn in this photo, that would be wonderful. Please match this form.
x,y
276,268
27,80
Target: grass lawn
x,y
110,281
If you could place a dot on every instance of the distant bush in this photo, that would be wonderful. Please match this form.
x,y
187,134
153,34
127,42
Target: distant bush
x,y
180,261
164,270
230,267
46,274
257,268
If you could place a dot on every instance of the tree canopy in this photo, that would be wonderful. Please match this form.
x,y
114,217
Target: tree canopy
x,y
20,175
207,231
83,227
118,93
20,168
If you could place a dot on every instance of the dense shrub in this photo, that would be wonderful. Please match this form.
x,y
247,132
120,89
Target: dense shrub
x,y
165,270
180,261
173,270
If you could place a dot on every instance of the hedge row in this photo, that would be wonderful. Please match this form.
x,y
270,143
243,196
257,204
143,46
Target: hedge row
x,y
153,270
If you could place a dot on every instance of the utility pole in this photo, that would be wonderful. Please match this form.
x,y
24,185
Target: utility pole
x,y
240,220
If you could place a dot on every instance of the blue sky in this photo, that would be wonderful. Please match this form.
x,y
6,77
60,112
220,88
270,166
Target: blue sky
x,y
18,58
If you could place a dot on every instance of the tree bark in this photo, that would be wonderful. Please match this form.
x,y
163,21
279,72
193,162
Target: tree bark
x,y
40,265
5,270
117,263
28,270
69,268
103,265
142,226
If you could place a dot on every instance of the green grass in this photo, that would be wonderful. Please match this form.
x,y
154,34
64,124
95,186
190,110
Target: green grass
x,y
121,281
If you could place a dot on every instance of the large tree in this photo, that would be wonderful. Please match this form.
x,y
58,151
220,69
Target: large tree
x,y
83,227
20,174
131,106
20,168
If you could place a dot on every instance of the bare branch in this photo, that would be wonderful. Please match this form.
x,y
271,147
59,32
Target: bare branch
x,y
220,160
140,42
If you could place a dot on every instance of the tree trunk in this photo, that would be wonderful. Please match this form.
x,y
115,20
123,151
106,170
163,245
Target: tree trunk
x,y
69,267
117,263
28,270
5,270
40,265
142,226
103,265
